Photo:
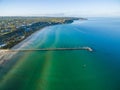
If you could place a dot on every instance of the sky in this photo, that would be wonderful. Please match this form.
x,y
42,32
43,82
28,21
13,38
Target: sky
x,y
82,8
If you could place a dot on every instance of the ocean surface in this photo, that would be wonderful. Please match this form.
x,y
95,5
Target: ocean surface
x,y
68,70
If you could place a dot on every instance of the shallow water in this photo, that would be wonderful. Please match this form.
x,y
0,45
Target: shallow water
x,y
68,70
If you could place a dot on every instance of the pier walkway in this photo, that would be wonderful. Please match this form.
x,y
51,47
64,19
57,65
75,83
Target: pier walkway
x,y
47,49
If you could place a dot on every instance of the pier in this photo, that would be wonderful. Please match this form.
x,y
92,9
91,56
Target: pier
x,y
47,49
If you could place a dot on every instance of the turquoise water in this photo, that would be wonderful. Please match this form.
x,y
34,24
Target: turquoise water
x,y
68,70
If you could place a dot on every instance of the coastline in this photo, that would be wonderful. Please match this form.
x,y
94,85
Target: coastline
x,y
26,39
5,57
6,63
22,41
11,39
3,54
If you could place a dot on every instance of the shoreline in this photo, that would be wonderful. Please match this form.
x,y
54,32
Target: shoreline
x,y
6,62
6,56
22,41
26,39
11,39
18,44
